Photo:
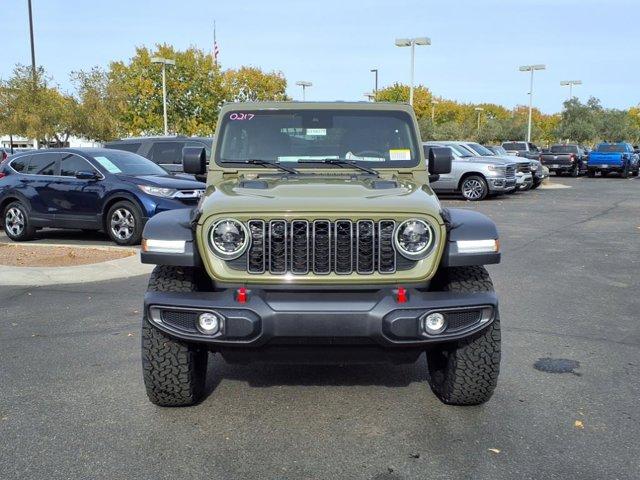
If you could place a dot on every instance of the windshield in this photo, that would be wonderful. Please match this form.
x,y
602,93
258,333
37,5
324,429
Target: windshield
x,y
458,150
499,151
564,149
378,139
118,161
480,150
611,147
514,146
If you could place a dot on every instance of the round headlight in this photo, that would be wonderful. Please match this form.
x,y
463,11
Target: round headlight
x,y
229,238
414,238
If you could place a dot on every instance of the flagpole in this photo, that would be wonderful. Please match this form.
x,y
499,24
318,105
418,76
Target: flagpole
x,y
215,45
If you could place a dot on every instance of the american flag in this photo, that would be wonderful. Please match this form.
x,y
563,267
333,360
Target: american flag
x,y
216,50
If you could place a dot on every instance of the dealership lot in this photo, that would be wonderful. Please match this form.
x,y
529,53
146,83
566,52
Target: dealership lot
x,y
73,403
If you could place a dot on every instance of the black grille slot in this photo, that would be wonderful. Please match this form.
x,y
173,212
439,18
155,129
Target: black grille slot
x,y
462,319
386,251
300,246
344,247
278,246
256,256
321,247
365,247
180,319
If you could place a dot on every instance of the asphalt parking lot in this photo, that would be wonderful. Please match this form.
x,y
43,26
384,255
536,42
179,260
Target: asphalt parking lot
x,y
73,403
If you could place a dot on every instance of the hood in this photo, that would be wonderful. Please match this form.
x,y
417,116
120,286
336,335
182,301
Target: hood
x,y
164,181
487,160
320,193
515,159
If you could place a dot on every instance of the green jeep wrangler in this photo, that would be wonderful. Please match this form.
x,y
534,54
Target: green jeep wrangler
x,y
319,240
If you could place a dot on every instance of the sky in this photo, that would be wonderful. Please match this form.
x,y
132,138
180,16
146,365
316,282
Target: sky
x,y
477,45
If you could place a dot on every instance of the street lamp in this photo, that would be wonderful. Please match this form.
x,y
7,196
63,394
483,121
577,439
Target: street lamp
x,y
375,85
304,84
412,42
531,68
433,110
570,84
479,110
164,62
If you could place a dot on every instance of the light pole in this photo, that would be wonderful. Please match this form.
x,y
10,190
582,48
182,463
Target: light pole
x,y
33,48
479,110
375,84
433,110
531,68
412,42
304,84
164,62
570,84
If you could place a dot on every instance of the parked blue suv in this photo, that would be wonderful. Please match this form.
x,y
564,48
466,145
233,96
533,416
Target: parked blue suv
x,y
88,189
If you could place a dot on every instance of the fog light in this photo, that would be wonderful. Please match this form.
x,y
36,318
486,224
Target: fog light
x,y
209,323
434,323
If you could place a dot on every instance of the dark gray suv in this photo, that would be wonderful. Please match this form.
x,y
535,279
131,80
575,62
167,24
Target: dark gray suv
x,y
164,151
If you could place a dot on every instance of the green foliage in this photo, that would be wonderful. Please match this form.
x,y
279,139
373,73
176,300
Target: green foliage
x,y
250,84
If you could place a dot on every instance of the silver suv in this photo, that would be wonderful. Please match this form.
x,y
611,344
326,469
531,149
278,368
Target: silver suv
x,y
474,177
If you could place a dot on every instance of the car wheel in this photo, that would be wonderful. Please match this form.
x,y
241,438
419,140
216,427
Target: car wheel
x,y
174,372
17,224
625,172
474,188
591,173
124,223
465,372
575,172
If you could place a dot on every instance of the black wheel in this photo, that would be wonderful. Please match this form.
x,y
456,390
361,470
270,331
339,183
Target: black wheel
x,y
625,172
536,183
174,372
465,372
17,224
591,173
575,171
124,223
474,188
635,172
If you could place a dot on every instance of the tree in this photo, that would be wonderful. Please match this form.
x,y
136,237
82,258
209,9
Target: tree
x,y
194,92
250,84
398,92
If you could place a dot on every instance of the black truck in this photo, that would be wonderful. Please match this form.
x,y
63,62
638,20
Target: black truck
x,y
568,158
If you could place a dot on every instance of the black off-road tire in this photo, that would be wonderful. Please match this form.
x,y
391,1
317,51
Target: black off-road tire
x,y
27,230
174,372
465,372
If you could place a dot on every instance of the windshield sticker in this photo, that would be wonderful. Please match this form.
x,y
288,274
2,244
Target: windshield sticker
x,y
400,154
351,156
241,116
307,157
108,165
316,132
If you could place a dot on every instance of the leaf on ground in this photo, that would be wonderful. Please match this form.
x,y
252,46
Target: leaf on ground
x,y
494,450
578,424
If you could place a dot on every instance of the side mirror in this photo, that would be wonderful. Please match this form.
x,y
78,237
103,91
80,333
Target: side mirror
x,y
194,160
86,175
440,159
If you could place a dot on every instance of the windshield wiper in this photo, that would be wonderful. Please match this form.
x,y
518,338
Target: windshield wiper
x,y
342,163
267,163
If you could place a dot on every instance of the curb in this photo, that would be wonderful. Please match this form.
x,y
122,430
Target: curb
x,y
92,272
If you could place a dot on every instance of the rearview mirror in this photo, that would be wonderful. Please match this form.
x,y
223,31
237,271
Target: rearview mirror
x,y
194,160
440,159
86,175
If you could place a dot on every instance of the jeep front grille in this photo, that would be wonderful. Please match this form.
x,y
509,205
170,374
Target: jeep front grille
x,y
323,247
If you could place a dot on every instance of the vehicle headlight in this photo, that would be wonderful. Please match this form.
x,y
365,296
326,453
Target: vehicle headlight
x,y
228,238
157,191
495,168
414,238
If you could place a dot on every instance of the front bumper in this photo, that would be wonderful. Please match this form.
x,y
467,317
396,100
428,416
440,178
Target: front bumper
x,y
501,184
322,317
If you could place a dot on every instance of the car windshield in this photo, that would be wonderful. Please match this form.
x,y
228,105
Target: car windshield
x,y
564,149
118,161
480,150
499,151
611,147
378,139
514,146
458,150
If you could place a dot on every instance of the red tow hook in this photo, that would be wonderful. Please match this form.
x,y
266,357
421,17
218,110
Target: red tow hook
x,y
402,295
241,295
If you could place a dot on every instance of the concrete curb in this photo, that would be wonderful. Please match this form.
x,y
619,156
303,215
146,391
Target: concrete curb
x,y
92,272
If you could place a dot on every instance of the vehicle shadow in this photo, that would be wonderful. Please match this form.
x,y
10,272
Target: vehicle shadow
x,y
262,375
